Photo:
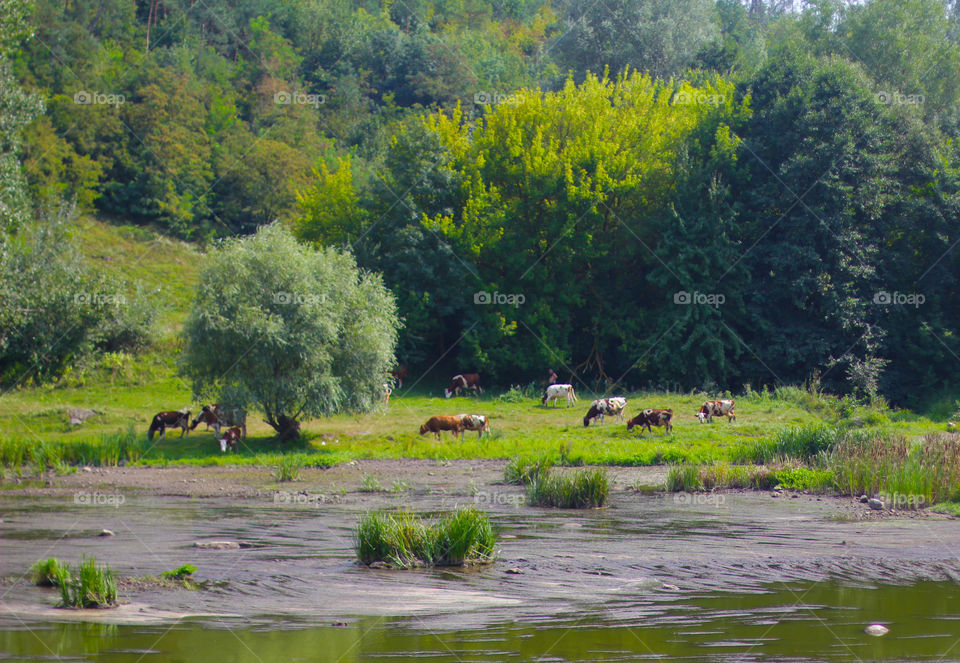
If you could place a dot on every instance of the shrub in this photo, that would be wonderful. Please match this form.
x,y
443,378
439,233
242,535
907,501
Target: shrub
x,y
44,572
583,489
88,586
404,540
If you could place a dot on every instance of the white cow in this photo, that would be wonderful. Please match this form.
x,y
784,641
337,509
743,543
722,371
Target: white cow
x,y
711,409
603,406
555,391
477,422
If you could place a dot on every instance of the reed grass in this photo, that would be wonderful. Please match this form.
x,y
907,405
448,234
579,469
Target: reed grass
x,y
405,540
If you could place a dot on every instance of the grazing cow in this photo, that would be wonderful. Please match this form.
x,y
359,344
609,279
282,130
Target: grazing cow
x,y
477,422
230,439
653,417
442,423
164,420
613,406
216,416
463,381
555,391
398,374
712,409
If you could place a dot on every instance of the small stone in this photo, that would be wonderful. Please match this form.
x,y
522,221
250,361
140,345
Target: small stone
x,y
794,497
379,565
216,545
875,504
105,532
864,499
876,630
514,571
778,488
86,468
774,494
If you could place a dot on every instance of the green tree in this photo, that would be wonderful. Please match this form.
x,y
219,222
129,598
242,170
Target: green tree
x,y
299,332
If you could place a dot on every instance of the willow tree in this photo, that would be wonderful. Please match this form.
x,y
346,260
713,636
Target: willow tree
x,y
296,331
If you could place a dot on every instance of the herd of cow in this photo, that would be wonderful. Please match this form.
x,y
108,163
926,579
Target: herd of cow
x,y
234,420
613,406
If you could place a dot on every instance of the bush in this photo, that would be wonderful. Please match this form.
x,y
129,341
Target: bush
x,y
583,489
405,540
88,586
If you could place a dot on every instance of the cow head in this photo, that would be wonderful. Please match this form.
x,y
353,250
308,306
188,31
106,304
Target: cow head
x,y
447,393
424,430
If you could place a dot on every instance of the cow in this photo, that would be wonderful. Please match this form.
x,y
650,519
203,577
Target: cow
x,y
442,423
463,381
477,422
398,374
172,419
711,409
653,417
216,416
230,439
555,391
604,406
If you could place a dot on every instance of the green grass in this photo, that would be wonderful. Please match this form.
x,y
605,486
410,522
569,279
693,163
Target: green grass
x,y
182,572
44,572
581,489
723,476
288,467
370,484
87,585
405,540
521,471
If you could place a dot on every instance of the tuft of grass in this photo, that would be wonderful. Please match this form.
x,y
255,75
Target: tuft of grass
x,y
183,572
583,489
399,487
87,586
684,479
370,484
691,478
522,470
404,540
803,443
288,467
44,572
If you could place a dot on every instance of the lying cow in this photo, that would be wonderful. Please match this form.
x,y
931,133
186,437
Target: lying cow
x,y
712,409
477,422
164,420
604,406
651,417
217,416
230,439
463,381
442,423
555,391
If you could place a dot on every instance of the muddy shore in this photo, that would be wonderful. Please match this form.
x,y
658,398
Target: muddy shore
x,y
293,542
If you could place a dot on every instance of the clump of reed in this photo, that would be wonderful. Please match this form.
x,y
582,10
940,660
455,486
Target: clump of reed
x,y
405,540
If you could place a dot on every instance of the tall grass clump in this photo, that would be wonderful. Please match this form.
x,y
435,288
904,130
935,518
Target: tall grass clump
x,y
288,467
907,475
87,585
583,489
804,443
521,470
44,572
691,478
404,540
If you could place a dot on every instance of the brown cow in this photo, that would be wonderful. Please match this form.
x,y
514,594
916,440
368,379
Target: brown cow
x,y
230,439
398,374
164,420
218,416
477,422
442,423
653,417
463,381
711,409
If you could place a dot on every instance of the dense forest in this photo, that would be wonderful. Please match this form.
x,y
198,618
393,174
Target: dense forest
x,y
681,193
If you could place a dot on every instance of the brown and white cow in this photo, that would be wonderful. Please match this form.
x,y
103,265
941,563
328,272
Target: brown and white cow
x,y
652,417
711,409
463,381
230,440
477,422
556,391
441,423
604,406
170,419
217,416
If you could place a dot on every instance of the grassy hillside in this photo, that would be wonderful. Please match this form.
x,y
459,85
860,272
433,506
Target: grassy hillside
x,y
128,390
